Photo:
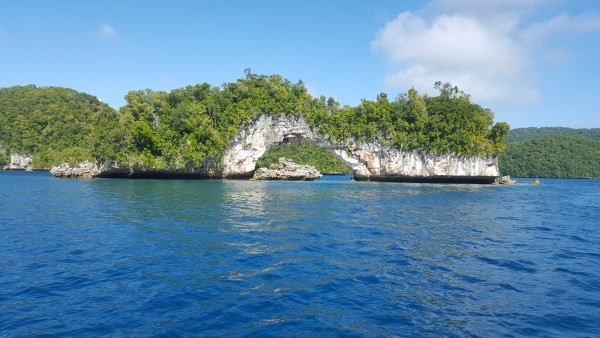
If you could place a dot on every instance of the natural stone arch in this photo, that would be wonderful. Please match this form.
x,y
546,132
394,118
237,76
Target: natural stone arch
x,y
368,160
267,131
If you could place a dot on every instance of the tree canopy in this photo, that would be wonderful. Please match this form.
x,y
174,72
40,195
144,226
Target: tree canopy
x,y
447,123
552,152
188,126
305,153
526,134
53,124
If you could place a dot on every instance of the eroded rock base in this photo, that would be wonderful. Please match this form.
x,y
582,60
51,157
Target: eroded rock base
x,y
287,170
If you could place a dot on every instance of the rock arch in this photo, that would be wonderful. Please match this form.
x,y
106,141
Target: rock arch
x,y
267,131
368,160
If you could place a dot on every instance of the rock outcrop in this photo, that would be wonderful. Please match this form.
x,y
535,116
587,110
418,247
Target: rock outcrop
x,y
85,169
19,162
369,160
505,180
378,162
287,170
88,169
258,136
374,161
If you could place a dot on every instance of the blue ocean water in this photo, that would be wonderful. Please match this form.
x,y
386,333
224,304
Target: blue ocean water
x,y
333,257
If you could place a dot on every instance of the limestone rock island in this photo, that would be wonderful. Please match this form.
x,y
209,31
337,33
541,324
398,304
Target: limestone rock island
x,y
287,170
210,132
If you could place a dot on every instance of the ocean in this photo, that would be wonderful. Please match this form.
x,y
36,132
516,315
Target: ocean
x,y
329,258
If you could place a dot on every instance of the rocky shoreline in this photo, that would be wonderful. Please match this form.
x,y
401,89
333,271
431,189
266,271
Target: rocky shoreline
x,y
369,161
19,162
292,172
287,170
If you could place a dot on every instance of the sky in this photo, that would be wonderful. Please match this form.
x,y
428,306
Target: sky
x,y
534,63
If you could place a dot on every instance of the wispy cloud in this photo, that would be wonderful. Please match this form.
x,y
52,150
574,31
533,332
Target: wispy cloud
x,y
107,31
485,9
484,47
562,23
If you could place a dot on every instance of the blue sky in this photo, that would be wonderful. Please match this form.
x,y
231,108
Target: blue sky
x,y
533,62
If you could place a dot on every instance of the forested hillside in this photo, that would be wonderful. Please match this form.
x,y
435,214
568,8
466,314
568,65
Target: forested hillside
x,y
54,124
526,134
552,152
192,125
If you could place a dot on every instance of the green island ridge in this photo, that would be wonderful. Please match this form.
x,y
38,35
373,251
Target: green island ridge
x,y
191,127
552,152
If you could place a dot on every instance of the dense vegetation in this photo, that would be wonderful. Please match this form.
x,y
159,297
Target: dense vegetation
x,y
447,123
4,157
526,134
55,124
305,153
190,126
557,152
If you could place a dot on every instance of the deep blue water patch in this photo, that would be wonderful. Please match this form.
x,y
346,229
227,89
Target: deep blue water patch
x,y
331,257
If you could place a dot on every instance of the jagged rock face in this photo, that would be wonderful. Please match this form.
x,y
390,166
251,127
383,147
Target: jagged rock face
x,y
88,169
287,170
85,169
19,162
368,160
505,180
258,136
379,162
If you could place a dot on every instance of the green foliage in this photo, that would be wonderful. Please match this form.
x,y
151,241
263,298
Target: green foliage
x,y
498,135
4,157
46,122
558,155
448,123
184,128
305,153
526,134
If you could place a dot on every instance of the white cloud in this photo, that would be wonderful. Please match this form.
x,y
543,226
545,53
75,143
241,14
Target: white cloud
x,y
562,23
107,31
480,59
483,47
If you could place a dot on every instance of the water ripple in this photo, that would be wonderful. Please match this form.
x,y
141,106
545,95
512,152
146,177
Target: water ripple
x,y
324,258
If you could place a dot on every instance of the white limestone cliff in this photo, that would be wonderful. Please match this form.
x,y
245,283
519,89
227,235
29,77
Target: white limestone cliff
x,y
85,169
369,160
19,162
258,136
287,170
378,161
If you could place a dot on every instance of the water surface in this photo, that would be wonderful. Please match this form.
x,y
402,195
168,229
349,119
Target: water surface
x,y
332,257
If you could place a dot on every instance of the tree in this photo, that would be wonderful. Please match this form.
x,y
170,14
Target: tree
x,y
182,128
498,136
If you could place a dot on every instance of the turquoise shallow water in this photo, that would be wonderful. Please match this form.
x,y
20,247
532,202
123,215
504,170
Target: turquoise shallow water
x,y
333,257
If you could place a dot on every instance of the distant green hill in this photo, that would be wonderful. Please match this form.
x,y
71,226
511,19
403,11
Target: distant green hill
x,y
552,152
526,134
54,124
